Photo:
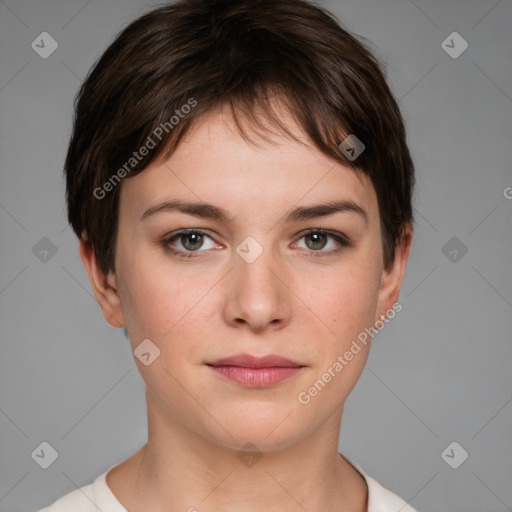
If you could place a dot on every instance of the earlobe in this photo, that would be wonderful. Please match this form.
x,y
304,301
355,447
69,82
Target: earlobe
x,y
392,278
103,285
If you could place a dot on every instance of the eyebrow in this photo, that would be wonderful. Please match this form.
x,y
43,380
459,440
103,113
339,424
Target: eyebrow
x,y
210,211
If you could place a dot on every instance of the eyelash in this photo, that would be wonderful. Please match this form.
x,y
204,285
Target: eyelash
x,y
342,241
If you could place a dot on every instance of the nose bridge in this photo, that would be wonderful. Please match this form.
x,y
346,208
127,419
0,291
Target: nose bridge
x,y
258,295
256,264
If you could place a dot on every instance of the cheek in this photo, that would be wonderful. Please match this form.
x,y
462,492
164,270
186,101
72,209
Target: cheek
x,y
346,305
160,301
345,300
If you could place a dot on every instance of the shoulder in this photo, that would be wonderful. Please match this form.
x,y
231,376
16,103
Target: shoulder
x,y
381,499
89,498
79,500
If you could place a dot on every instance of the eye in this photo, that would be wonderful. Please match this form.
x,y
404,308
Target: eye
x,y
317,239
191,241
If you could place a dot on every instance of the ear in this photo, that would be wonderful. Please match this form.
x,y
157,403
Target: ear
x,y
392,278
103,286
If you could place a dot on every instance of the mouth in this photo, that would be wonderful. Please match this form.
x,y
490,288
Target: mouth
x,y
256,372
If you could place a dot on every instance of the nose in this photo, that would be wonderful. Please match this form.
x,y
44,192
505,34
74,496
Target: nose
x,y
258,296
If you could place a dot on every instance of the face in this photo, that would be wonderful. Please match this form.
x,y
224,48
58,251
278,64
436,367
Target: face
x,y
263,271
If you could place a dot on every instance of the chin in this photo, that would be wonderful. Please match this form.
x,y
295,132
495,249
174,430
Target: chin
x,y
268,426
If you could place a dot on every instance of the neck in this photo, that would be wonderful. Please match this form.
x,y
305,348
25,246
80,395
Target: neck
x,y
178,469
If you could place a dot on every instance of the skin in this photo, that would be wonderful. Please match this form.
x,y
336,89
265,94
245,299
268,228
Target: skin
x,y
288,301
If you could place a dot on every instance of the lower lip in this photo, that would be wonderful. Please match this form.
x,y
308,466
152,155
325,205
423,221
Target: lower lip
x,y
256,377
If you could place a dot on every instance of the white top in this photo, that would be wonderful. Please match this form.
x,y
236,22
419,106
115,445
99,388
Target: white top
x,y
98,496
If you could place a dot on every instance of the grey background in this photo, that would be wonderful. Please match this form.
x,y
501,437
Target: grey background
x,y
438,373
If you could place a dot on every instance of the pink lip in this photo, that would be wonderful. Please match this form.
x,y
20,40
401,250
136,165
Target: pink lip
x,y
256,372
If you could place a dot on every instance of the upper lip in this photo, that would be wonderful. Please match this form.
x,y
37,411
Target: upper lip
x,y
249,361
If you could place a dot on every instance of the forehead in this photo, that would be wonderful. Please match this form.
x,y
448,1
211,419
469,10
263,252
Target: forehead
x,y
214,163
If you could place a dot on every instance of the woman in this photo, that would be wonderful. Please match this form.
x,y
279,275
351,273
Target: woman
x,y
239,180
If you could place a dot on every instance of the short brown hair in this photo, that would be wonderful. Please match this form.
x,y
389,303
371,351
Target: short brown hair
x,y
238,53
